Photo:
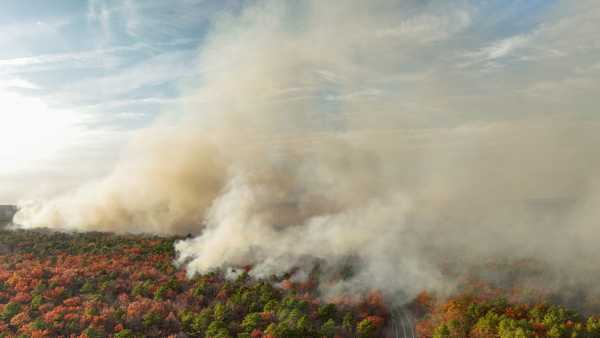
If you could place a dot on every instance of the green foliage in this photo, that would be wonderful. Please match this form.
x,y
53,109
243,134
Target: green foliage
x,y
510,328
92,332
251,321
173,284
72,326
271,306
328,329
151,319
347,322
217,329
125,333
10,310
441,331
142,289
39,324
165,247
592,326
196,324
327,311
36,301
498,318
220,312
88,287
159,294
366,328
96,284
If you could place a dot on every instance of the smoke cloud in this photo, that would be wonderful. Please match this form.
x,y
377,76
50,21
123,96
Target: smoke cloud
x,y
394,136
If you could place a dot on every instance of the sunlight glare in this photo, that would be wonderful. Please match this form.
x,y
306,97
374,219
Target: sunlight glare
x,y
31,131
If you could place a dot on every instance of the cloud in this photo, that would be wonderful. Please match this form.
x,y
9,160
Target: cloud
x,y
504,47
99,13
568,31
152,21
89,58
494,52
159,69
17,83
428,28
12,33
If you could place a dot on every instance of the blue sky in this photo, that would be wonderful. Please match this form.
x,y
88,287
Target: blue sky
x,y
147,46
77,78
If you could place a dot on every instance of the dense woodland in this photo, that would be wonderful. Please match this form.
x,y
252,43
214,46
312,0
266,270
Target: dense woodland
x,y
104,285
480,317
99,285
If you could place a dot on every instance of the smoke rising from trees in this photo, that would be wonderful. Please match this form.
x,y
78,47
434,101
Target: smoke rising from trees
x,y
388,135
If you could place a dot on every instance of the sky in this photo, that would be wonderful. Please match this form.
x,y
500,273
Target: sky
x,y
78,79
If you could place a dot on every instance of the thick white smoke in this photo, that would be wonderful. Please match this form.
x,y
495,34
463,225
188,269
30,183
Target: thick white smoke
x,y
384,133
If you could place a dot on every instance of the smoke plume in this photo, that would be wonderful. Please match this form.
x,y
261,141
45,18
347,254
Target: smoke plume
x,y
394,136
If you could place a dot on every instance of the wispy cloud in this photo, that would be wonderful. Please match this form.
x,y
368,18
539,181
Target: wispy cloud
x,y
7,65
100,13
154,71
497,50
17,83
16,32
428,28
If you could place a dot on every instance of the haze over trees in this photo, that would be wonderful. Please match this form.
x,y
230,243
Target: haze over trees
x,y
105,285
6,214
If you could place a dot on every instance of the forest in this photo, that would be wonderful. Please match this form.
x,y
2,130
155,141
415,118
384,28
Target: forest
x,y
106,285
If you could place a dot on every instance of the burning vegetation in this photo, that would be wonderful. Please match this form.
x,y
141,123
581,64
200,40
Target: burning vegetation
x,y
106,285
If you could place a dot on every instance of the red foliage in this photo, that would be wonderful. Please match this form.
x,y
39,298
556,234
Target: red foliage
x,y
20,319
73,301
425,328
21,297
40,334
540,329
55,293
376,321
222,295
287,284
307,286
425,300
118,328
267,315
62,293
